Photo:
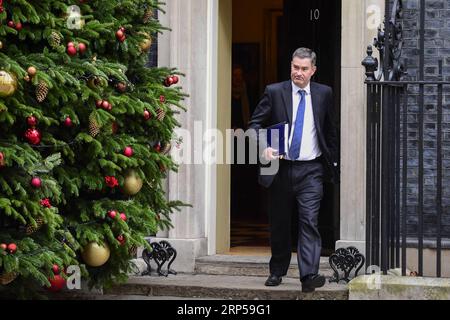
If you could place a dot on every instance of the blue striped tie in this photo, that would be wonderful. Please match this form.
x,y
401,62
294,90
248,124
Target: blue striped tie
x,y
294,150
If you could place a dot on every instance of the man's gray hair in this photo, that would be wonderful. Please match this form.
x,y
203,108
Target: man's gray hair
x,y
303,53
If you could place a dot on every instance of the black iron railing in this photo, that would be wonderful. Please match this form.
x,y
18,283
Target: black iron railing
x,y
404,143
389,174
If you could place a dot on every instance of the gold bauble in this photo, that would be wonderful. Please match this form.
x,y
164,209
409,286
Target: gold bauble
x,y
132,184
95,255
1,45
8,84
31,71
145,44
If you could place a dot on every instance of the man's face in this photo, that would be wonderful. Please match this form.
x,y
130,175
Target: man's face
x,y
301,71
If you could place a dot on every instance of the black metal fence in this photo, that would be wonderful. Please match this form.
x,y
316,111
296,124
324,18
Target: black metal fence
x,y
388,232
405,207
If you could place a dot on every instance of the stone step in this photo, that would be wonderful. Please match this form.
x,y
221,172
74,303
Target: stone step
x,y
224,287
249,266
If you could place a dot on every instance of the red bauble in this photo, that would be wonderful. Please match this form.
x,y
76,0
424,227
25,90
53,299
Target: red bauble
x,y
147,115
11,24
119,34
175,79
105,105
82,48
33,136
12,248
71,51
36,182
18,26
71,44
32,121
169,81
123,216
55,269
128,152
158,147
162,99
99,103
68,122
112,214
2,160
3,246
121,239
57,283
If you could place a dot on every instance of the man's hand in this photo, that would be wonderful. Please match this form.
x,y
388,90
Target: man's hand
x,y
271,154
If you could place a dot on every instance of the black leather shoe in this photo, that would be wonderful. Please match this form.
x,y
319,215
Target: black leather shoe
x,y
310,283
273,281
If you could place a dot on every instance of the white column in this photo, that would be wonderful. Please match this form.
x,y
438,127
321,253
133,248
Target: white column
x,y
187,47
359,20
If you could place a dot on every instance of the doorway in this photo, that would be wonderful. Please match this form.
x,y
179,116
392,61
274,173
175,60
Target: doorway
x,y
265,34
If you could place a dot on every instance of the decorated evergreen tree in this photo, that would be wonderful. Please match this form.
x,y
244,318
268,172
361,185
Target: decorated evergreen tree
x,y
85,131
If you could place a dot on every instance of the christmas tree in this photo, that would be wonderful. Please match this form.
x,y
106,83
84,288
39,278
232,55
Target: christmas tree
x,y
85,132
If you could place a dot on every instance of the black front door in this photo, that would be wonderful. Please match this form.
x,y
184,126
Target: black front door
x,y
314,24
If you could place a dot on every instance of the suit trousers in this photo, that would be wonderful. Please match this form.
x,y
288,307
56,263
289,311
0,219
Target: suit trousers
x,y
296,192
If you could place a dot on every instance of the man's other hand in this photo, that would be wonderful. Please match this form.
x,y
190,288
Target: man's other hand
x,y
271,154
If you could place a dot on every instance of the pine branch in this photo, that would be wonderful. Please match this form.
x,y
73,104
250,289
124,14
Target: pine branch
x,y
46,166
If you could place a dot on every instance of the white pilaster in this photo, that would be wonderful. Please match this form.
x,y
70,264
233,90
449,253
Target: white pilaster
x,y
358,32
188,47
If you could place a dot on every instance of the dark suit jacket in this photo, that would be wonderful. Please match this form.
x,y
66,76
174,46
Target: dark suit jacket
x,y
276,107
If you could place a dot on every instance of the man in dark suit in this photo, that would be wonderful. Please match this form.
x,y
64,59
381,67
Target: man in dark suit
x,y
312,156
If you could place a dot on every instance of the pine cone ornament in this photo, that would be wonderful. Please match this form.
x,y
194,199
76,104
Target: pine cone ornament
x,y
147,15
7,278
94,128
133,250
54,39
161,114
41,91
32,229
167,148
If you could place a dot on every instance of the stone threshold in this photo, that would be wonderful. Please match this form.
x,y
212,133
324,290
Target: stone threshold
x,y
249,266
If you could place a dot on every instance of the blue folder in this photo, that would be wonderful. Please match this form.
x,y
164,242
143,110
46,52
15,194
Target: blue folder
x,y
280,131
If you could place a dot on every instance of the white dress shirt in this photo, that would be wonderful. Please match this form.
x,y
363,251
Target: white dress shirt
x,y
309,150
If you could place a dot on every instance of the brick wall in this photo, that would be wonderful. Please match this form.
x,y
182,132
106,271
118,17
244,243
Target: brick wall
x,y
437,46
